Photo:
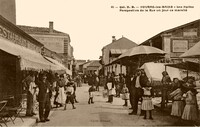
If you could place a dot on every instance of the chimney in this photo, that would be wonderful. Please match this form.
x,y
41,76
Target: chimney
x,y
50,27
113,39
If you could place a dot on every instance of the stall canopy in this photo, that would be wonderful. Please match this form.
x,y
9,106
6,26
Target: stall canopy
x,y
28,59
193,52
154,71
60,67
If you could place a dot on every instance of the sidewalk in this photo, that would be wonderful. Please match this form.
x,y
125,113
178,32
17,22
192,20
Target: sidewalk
x,y
28,121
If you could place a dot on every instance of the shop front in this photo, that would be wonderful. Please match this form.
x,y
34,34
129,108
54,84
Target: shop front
x,y
15,62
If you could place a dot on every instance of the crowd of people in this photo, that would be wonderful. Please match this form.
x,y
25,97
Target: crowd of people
x,y
58,90
138,88
50,91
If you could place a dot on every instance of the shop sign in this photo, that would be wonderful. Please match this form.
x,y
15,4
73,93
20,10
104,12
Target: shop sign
x,y
13,37
179,45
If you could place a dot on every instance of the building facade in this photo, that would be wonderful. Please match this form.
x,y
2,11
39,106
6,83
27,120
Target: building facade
x,y
93,67
83,67
53,40
177,40
111,51
19,53
8,10
77,63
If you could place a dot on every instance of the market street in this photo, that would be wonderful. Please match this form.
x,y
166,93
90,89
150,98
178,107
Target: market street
x,y
104,114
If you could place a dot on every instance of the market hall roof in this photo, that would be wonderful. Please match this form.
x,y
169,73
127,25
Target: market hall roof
x,y
94,63
171,30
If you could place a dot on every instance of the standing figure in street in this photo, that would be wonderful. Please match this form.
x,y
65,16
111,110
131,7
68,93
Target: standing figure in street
x,y
117,86
96,82
89,78
29,81
110,87
147,104
177,104
56,89
128,82
125,95
61,93
91,94
166,81
33,91
44,98
70,95
74,86
137,83
78,80
190,111
121,82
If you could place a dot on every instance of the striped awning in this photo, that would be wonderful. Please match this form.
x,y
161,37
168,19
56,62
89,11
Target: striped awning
x,y
29,59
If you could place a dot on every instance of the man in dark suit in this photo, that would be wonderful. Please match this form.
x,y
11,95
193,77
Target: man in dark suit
x,y
137,82
44,98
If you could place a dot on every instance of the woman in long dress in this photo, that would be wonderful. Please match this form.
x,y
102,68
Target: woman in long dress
x,y
61,98
190,112
178,104
110,87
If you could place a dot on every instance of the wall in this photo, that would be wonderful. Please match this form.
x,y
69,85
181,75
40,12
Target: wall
x,y
18,38
179,41
8,10
53,43
115,68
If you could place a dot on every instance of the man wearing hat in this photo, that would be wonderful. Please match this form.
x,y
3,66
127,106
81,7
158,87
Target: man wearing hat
x,y
137,82
44,98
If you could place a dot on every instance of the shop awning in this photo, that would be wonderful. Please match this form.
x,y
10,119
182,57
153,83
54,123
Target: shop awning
x,y
59,65
29,59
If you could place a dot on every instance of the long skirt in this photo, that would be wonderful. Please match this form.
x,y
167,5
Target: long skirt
x,y
177,108
61,96
190,112
147,103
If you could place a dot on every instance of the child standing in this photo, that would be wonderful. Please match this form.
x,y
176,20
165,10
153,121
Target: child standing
x,y
147,104
125,94
70,95
91,94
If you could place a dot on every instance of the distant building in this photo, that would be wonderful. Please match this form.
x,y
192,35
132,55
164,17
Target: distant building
x,y
111,51
8,10
93,67
83,67
90,67
77,63
53,40
176,41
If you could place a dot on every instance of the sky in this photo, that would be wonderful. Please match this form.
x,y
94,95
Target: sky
x,y
92,23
